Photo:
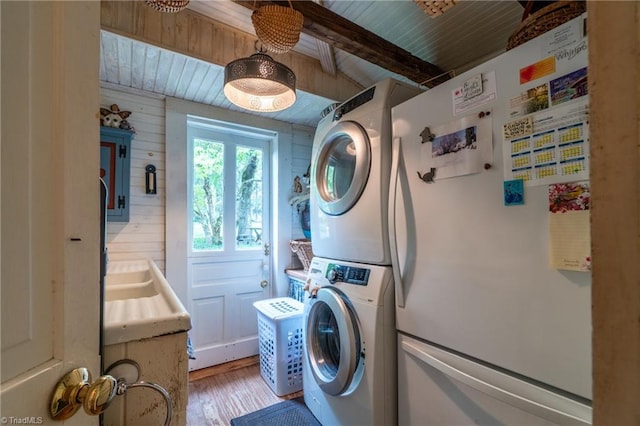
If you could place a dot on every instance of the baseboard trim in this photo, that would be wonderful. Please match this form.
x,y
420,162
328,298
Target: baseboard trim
x,y
223,368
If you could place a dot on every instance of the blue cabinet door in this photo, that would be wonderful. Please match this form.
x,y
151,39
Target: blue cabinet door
x,y
115,164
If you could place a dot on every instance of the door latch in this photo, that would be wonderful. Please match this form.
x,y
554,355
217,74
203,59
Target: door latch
x,y
267,249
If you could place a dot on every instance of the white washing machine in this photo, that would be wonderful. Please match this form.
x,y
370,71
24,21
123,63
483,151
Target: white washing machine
x,y
351,166
349,369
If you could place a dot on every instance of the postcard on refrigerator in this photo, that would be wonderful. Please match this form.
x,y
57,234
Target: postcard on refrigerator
x,y
568,87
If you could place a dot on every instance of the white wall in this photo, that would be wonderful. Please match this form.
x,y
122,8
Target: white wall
x,y
144,234
301,158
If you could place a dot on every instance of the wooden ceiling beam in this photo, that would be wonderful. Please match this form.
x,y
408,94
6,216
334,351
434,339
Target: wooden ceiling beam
x,y
325,53
192,34
325,25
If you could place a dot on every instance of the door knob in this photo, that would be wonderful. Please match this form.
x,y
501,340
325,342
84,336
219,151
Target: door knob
x,y
264,283
75,389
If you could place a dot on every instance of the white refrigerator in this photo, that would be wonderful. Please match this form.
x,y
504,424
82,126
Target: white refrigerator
x,y
489,232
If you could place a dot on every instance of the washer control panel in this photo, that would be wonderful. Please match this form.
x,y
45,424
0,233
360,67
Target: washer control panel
x,y
353,103
362,282
347,274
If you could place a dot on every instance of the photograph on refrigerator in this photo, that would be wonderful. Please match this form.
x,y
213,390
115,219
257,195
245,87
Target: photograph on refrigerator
x,y
460,147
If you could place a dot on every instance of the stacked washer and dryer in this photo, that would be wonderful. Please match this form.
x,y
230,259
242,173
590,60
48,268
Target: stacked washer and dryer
x,y
349,373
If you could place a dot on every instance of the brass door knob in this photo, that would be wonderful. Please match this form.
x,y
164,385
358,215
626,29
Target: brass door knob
x,y
75,390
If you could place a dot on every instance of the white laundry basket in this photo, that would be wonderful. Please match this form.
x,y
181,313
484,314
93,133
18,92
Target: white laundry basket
x,y
280,325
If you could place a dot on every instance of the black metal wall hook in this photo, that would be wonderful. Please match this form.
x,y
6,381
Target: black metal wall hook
x,y
150,179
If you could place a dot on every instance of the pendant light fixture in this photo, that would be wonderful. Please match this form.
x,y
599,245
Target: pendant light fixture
x,y
258,83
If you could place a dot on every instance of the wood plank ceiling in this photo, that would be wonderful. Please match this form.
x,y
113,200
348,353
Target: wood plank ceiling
x,y
325,25
142,49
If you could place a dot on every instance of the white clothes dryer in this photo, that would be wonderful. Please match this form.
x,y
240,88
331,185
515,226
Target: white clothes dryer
x,y
349,344
351,167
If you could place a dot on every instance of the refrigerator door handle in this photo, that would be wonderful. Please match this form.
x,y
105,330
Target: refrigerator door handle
x,y
539,401
393,244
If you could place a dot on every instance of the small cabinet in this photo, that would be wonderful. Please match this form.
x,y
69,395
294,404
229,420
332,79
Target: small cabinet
x,y
115,164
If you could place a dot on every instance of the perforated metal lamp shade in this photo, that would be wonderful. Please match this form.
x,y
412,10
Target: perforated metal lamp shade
x,y
258,83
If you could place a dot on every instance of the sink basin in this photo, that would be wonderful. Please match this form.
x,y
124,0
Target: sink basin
x,y
130,291
127,277
140,303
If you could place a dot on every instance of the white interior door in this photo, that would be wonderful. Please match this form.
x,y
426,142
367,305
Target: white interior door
x,y
229,253
49,210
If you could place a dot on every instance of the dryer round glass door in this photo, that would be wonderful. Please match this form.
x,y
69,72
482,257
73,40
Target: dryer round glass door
x,y
341,167
333,343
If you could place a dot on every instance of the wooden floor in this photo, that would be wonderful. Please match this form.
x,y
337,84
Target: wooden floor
x,y
220,393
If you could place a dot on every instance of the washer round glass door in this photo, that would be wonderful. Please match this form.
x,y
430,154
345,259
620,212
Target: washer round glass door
x,y
333,342
341,167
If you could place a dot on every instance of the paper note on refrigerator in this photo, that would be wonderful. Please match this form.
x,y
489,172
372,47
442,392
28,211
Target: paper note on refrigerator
x,y
569,226
462,99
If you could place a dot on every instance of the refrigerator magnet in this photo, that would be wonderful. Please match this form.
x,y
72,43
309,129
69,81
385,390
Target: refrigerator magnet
x,y
513,192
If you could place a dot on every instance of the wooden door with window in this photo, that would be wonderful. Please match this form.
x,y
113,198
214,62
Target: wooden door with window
x,y
229,253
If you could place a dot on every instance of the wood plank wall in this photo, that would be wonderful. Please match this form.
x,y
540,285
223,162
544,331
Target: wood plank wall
x,y
300,161
143,235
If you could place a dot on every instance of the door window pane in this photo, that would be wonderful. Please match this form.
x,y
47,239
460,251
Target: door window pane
x,y
208,193
248,198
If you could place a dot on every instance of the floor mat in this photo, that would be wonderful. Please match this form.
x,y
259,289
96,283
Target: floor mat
x,y
292,412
